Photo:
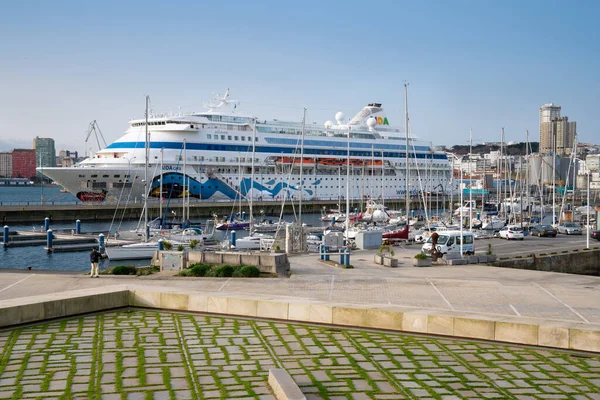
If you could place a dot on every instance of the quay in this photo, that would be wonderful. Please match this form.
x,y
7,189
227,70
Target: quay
x,y
12,214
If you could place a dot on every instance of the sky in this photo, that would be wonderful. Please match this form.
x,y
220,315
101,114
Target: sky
x,y
469,64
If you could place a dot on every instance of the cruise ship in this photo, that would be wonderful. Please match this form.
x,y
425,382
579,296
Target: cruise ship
x,y
211,155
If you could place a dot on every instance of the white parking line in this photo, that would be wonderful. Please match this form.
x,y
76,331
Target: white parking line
x,y
331,287
441,295
223,285
514,309
563,303
16,283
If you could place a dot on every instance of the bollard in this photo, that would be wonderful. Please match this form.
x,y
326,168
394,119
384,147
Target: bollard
x,y
78,227
233,238
326,253
321,251
161,247
46,224
49,239
341,254
243,215
147,232
347,258
6,236
101,243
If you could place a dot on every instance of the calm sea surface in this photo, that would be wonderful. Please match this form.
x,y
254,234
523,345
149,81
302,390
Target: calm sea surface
x,y
37,258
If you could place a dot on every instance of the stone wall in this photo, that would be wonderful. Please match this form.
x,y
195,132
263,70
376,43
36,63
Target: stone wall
x,y
268,263
581,262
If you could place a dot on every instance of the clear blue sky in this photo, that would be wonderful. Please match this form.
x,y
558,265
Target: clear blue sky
x,y
470,64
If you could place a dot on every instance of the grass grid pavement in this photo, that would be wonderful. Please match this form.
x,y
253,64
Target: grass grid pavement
x,y
142,354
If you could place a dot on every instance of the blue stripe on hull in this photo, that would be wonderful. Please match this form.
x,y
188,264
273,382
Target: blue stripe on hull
x,y
266,149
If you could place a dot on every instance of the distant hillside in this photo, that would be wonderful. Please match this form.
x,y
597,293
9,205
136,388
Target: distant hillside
x,y
513,149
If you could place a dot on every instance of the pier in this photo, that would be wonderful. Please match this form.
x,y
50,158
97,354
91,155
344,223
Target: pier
x,y
12,214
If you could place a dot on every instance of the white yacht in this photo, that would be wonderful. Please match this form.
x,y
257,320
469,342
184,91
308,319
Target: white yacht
x,y
209,156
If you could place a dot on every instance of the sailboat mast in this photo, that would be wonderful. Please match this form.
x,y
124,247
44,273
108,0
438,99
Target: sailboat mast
x,y
347,220
470,180
161,185
382,180
301,167
407,174
252,175
147,154
184,179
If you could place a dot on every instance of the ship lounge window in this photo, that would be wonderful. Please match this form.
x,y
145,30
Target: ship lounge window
x,y
94,176
82,176
105,176
222,137
208,136
236,138
229,137
249,139
243,138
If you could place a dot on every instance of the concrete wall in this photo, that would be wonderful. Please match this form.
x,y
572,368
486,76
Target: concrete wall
x,y
268,263
582,262
519,330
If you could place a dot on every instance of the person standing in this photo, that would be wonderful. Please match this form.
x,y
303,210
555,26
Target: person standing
x,y
94,259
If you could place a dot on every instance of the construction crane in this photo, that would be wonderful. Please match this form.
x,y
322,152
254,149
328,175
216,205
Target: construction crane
x,y
93,127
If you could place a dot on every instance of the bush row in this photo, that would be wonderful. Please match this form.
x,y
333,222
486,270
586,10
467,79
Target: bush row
x,y
221,271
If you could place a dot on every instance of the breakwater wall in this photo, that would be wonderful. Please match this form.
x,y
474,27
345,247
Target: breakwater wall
x,y
581,262
201,209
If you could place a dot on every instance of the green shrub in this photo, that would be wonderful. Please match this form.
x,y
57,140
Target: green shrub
x,y
185,272
420,256
199,269
180,247
223,271
247,271
167,245
123,270
193,244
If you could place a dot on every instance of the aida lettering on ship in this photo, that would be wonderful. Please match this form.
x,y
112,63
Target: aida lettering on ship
x,y
219,144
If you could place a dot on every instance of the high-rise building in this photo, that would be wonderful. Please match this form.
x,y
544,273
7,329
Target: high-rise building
x,y
23,163
5,165
556,131
45,153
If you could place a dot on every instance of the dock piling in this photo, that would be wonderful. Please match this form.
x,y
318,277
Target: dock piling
x,y
161,246
49,240
78,227
101,243
46,224
233,237
6,236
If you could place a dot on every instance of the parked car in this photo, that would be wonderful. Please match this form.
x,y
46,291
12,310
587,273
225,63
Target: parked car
x,y
569,228
596,235
512,232
543,230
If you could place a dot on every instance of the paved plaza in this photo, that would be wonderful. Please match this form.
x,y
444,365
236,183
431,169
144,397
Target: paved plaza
x,y
483,290
160,355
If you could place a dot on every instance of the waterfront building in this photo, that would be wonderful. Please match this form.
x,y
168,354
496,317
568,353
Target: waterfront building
x,y
5,164
23,163
556,131
592,161
45,153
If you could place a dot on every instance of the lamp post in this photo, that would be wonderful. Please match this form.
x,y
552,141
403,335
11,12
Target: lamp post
x,y
461,206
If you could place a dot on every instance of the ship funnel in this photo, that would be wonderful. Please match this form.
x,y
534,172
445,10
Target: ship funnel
x,y
373,110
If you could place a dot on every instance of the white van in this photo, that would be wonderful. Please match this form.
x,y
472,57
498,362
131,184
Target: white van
x,y
449,242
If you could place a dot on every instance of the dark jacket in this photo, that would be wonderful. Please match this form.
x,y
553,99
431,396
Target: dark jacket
x,y
95,256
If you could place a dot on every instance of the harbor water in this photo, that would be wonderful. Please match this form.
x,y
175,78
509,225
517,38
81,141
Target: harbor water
x,y
37,258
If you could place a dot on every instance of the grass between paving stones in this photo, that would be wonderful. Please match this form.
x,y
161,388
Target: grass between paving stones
x,y
436,365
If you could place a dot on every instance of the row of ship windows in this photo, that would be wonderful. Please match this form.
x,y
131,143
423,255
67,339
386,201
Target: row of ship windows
x,y
104,176
229,137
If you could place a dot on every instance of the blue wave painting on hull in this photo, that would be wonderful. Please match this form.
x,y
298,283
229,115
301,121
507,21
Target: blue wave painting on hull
x,y
173,186
275,191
